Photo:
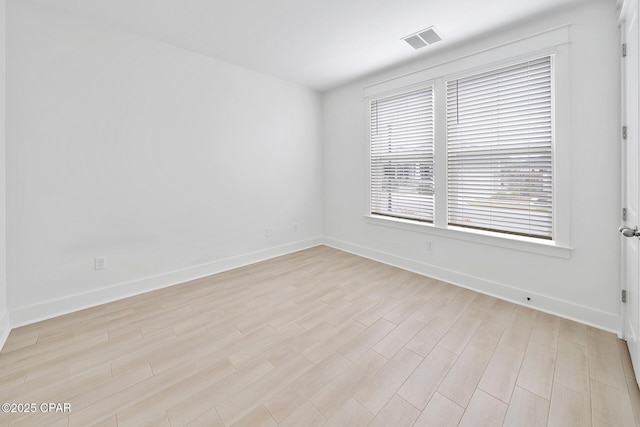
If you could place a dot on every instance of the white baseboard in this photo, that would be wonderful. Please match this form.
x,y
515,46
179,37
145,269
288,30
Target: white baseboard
x,y
589,316
53,308
68,304
5,328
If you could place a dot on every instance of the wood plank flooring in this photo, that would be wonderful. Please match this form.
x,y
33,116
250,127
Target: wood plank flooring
x,y
317,338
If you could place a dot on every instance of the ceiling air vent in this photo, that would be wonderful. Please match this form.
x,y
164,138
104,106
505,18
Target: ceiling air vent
x,y
423,38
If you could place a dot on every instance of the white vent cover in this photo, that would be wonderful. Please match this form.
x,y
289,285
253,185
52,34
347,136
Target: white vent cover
x,y
423,38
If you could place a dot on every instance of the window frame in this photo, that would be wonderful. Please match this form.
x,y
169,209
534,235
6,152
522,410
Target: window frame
x,y
461,76
388,94
554,43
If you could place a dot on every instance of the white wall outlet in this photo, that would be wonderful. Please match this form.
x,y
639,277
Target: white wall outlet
x,y
269,232
100,262
295,227
429,245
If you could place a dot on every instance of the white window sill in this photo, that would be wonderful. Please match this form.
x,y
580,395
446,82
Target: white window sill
x,y
520,243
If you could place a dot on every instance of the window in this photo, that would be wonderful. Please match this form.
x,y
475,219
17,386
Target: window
x,y
493,141
499,150
402,155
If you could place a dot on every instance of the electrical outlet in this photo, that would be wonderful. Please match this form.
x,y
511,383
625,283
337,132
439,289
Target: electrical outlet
x,y
100,262
295,227
429,245
269,232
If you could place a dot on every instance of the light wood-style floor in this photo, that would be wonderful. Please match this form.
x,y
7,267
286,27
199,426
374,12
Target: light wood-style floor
x,y
317,338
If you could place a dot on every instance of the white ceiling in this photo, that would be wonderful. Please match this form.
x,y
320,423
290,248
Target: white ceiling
x,y
316,43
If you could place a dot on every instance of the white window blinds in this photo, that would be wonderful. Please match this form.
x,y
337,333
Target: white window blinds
x,y
402,155
499,150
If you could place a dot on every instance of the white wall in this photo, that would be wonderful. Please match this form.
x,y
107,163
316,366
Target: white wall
x,y
585,286
171,164
4,314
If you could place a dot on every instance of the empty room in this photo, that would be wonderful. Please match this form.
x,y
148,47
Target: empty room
x,y
319,213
